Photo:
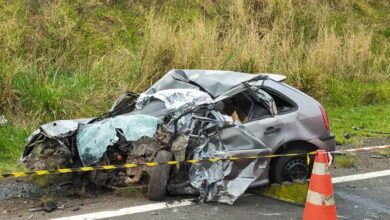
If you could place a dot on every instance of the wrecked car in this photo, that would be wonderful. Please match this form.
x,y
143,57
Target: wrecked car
x,y
209,121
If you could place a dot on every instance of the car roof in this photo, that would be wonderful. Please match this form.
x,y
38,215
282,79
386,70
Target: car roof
x,y
214,82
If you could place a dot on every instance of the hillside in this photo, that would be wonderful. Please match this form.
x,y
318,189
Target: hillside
x,y
71,59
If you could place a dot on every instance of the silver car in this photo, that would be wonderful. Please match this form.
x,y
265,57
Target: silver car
x,y
199,115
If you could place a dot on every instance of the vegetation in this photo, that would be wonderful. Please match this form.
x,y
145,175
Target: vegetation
x,y
372,118
71,59
345,161
383,152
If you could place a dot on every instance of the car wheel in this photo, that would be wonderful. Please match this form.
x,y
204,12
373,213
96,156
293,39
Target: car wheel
x,y
157,188
291,168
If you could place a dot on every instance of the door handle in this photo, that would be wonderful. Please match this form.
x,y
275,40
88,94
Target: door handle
x,y
272,130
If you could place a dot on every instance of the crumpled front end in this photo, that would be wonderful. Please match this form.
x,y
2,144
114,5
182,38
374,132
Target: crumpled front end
x,y
191,128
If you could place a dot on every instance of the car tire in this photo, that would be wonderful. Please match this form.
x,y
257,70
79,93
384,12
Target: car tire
x,y
289,168
157,188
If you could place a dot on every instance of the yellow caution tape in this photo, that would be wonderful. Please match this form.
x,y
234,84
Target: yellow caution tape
x,y
86,169
66,170
233,158
214,159
42,172
109,167
151,164
130,165
193,161
19,174
173,162
307,159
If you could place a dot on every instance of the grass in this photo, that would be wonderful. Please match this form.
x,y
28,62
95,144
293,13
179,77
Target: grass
x,y
11,140
383,152
71,59
371,117
345,161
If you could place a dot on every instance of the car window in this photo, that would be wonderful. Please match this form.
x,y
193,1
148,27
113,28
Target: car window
x,y
283,104
244,107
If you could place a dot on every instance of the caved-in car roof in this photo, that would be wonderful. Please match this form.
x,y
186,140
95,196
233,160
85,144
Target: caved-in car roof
x,y
214,82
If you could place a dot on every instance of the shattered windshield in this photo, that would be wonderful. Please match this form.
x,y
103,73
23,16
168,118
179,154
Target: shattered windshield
x,y
93,139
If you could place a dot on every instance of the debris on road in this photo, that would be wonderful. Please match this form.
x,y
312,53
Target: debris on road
x,y
347,135
75,209
19,189
378,156
36,209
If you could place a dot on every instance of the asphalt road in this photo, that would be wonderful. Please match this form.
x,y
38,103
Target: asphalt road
x,y
362,199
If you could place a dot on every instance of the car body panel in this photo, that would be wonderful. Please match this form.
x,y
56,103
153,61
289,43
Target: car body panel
x,y
271,131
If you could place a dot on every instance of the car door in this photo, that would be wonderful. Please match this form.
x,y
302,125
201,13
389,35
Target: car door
x,y
263,124
270,131
267,127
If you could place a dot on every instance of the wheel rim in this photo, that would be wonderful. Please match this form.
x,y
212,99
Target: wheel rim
x,y
296,168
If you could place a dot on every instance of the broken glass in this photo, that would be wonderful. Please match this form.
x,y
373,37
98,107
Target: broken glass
x,y
93,139
175,98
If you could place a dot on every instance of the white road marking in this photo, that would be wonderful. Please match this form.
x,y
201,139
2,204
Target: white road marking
x,y
362,176
271,214
129,210
186,202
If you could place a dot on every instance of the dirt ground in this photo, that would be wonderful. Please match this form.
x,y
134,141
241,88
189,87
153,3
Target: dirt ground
x,y
366,161
20,199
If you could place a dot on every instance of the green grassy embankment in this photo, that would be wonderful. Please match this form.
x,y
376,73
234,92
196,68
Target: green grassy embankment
x,y
71,59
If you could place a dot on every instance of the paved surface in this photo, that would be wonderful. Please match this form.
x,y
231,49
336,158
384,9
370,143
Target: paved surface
x,y
355,200
362,199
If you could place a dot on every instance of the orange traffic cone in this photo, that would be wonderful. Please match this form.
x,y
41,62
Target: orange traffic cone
x,y
320,203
